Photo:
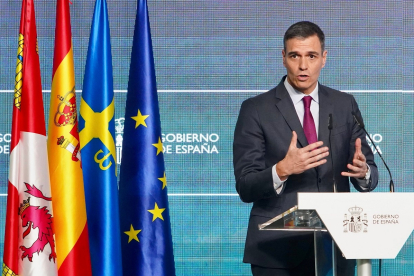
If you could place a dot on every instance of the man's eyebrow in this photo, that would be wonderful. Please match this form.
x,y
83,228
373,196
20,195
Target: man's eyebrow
x,y
292,53
308,53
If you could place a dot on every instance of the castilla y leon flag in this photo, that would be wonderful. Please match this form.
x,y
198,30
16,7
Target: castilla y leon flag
x,y
145,222
70,225
29,247
97,145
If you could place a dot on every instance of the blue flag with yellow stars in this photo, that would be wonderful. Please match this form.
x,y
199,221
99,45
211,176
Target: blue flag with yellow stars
x,y
145,222
96,132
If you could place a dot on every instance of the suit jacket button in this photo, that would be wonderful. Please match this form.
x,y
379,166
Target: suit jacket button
x,y
320,180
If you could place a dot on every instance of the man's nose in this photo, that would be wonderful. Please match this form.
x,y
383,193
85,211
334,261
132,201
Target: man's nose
x,y
303,64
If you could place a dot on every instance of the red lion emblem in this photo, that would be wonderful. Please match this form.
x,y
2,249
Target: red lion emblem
x,y
36,217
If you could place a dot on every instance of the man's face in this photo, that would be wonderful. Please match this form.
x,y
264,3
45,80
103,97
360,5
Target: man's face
x,y
304,61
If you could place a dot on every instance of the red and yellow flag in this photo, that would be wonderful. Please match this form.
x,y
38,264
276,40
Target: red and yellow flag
x,y
66,179
29,246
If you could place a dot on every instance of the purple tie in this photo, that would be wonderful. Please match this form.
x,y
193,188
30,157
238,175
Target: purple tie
x,y
308,122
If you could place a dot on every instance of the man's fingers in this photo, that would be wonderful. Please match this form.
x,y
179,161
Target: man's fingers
x,y
351,174
313,146
317,157
315,164
359,163
312,158
317,152
355,169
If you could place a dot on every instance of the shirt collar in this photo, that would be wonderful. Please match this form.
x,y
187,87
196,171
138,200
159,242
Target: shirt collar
x,y
297,96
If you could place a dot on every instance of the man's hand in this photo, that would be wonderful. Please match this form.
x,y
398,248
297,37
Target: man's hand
x,y
359,168
298,160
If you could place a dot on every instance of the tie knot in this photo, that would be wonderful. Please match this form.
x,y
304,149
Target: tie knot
x,y
307,101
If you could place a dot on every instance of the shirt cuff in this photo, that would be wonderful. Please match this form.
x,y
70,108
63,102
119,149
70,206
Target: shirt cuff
x,y
364,182
278,184
368,175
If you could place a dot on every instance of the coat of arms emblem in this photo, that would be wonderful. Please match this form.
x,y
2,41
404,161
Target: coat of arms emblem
x,y
356,222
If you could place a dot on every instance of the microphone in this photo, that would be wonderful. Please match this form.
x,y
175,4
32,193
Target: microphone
x,y
359,121
330,126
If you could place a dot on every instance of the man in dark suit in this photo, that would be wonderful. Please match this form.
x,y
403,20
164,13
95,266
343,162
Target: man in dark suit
x,y
280,149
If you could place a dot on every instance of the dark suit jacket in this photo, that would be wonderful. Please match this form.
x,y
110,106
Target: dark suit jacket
x,y
261,139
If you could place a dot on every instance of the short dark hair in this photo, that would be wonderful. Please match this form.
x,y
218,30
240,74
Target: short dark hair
x,y
304,29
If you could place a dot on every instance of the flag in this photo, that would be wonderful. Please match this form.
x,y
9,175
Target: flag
x,y
71,231
29,246
145,223
96,131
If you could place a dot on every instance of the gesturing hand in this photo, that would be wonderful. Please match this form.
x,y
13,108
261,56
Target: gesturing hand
x,y
359,168
298,160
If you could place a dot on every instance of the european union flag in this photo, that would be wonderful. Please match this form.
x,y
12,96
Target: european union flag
x,y
97,129
145,222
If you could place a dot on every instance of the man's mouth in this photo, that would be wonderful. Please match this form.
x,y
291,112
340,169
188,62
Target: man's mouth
x,y
303,77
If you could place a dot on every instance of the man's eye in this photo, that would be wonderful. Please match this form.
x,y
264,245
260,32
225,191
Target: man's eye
x,y
312,56
293,56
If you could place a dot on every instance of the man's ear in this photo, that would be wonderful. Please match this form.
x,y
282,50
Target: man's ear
x,y
324,55
284,57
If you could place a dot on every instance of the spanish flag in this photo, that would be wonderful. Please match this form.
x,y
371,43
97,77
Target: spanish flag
x,y
70,223
29,245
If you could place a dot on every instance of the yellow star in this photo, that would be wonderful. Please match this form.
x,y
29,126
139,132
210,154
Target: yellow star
x,y
132,234
156,212
164,181
140,119
97,126
158,146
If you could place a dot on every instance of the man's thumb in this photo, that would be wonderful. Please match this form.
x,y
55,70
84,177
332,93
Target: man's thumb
x,y
358,145
294,139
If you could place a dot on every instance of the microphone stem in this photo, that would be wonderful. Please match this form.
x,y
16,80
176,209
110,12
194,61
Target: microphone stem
x,y
333,171
388,169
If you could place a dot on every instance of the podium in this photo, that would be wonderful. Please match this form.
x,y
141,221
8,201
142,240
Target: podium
x,y
364,226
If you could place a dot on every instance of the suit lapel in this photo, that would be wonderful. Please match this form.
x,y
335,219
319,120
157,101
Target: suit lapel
x,y
325,108
285,105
